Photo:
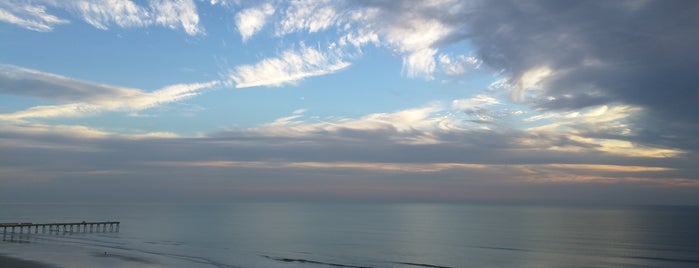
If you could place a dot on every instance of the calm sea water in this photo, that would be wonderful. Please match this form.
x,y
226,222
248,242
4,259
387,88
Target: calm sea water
x,y
360,235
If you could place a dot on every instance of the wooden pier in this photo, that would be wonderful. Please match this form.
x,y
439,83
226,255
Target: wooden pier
x,y
68,227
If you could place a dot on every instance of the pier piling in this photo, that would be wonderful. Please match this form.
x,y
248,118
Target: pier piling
x,y
70,227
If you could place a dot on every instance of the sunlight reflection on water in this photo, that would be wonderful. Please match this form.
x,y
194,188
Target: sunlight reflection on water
x,y
357,235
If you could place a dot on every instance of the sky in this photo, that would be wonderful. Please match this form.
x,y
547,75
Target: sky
x,y
392,101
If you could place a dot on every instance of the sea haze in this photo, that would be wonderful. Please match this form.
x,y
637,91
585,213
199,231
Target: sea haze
x,y
359,235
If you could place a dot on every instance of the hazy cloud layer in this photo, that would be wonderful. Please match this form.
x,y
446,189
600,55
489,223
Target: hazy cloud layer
x,y
27,82
349,159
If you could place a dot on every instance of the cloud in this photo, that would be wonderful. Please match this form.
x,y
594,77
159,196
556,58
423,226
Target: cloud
x,y
415,37
176,14
48,111
474,103
409,28
27,82
530,80
640,55
410,126
40,131
609,128
224,2
29,16
605,94
420,63
311,16
478,107
366,155
552,56
290,67
173,14
458,65
374,138
251,20
102,14
600,130
92,97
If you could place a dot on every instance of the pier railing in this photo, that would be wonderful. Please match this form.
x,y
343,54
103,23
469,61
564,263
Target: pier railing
x,y
66,227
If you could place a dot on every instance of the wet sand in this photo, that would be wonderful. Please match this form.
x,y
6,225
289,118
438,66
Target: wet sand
x,y
6,261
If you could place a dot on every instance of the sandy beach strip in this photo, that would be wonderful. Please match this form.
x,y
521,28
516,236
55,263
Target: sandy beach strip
x,y
6,261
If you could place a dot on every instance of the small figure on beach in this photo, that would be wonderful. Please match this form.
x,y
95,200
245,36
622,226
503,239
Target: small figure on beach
x,y
105,253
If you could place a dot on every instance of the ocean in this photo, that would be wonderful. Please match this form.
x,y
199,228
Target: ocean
x,y
359,235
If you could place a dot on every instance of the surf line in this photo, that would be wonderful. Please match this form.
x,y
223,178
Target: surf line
x,y
314,262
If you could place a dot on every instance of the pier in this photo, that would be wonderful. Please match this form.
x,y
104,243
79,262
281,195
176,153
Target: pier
x,y
68,227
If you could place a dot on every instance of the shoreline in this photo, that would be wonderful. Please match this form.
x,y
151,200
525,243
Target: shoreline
x,y
7,261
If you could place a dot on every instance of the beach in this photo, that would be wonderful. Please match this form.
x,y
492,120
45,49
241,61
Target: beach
x,y
6,261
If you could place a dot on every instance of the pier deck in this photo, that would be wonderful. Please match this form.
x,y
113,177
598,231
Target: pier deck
x,y
84,227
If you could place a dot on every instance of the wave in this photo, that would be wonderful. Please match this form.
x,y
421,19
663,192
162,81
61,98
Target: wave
x,y
315,262
665,259
307,261
104,248
422,264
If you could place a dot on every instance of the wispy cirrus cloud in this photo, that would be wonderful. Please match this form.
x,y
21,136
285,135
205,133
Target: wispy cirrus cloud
x,y
475,102
311,16
290,67
92,97
251,20
102,14
176,14
459,65
413,126
403,26
408,28
29,16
